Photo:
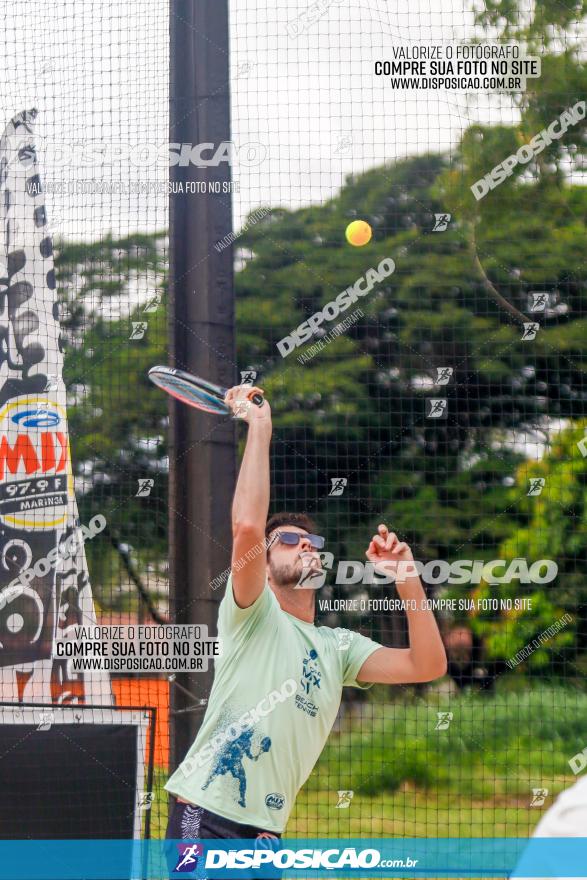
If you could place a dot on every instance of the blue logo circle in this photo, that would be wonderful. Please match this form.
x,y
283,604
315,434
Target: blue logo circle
x,y
36,418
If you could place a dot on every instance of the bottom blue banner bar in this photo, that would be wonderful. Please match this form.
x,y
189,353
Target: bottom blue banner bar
x,y
273,859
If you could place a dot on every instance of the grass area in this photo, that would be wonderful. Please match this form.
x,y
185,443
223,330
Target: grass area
x,y
160,803
474,779
411,813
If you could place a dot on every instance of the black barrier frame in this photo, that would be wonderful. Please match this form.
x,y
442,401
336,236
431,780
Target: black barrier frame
x,y
75,707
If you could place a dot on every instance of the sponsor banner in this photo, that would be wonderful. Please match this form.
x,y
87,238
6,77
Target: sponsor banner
x,y
44,592
317,857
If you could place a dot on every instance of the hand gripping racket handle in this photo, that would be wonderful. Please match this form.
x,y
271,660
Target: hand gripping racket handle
x,y
257,399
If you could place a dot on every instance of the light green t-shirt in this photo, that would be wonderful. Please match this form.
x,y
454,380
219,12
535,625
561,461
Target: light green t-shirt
x,y
276,692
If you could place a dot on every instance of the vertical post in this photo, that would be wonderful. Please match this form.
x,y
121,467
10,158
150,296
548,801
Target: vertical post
x,y
202,457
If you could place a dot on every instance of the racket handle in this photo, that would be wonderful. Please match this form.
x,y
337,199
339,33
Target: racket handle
x,y
257,399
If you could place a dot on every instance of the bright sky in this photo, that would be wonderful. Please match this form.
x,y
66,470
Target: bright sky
x,y
98,72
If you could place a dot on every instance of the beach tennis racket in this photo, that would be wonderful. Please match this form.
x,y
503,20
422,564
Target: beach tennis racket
x,y
194,391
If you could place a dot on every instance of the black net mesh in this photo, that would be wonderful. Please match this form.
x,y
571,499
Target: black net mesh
x,y
447,402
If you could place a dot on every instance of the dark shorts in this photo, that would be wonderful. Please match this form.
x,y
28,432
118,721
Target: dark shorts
x,y
190,822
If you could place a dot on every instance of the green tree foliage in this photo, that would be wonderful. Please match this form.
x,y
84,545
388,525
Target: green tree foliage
x,y
555,32
358,406
117,425
554,527
443,485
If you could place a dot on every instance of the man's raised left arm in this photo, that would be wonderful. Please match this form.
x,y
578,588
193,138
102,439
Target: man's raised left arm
x,y
425,659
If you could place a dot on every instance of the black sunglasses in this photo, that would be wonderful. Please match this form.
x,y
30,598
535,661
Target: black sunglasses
x,y
293,538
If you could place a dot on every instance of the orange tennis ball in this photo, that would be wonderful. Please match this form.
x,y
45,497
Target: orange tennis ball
x,y
358,233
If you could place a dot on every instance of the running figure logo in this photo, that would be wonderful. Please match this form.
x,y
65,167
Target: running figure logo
x,y
230,760
311,674
188,857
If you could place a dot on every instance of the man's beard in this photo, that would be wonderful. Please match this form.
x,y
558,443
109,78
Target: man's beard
x,y
287,577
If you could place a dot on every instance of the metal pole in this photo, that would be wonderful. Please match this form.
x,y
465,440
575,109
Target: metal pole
x,y
202,456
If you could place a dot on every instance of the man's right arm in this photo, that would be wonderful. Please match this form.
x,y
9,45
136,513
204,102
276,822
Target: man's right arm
x,y
250,505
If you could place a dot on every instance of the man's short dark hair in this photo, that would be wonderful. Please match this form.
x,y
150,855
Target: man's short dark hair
x,y
301,520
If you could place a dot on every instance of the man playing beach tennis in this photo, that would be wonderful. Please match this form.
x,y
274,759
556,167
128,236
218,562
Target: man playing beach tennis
x,y
279,679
